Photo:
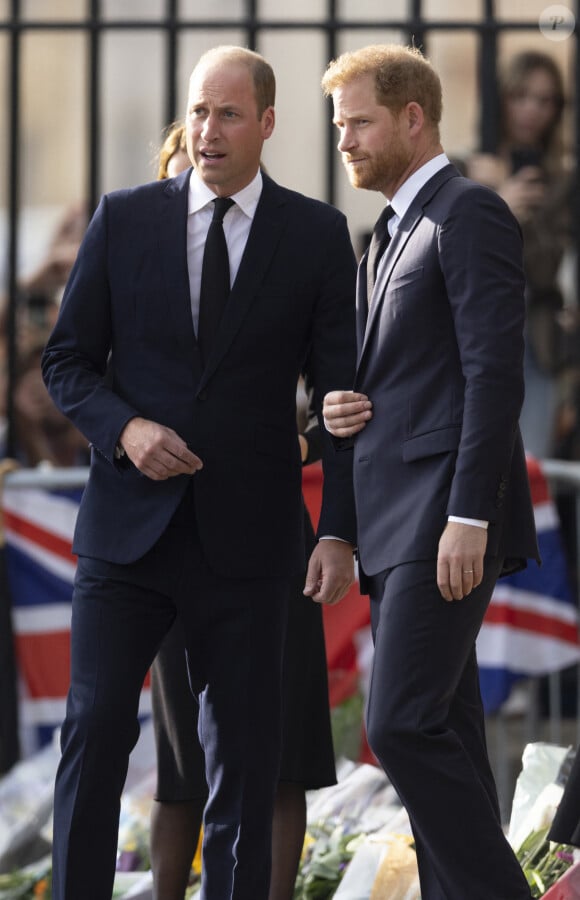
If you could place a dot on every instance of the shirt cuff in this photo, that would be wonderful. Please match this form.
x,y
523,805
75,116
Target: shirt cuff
x,y
332,537
479,523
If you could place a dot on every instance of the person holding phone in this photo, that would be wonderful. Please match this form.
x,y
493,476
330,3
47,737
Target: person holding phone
x,y
530,173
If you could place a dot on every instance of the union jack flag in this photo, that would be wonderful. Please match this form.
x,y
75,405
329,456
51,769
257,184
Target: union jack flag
x,y
531,627
39,527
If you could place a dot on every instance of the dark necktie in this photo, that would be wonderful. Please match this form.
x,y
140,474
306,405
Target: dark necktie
x,y
215,278
379,243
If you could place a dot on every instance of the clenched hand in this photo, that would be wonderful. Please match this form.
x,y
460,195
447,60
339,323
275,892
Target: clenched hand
x,y
330,571
158,452
346,412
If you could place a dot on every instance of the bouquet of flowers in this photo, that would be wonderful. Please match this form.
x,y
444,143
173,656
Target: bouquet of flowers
x,y
328,849
543,861
32,883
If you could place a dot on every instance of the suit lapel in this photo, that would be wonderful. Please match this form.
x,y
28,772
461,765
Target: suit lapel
x,y
267,227
172,237
362,305
396,247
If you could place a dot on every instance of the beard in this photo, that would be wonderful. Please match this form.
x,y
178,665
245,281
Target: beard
x,y
381,169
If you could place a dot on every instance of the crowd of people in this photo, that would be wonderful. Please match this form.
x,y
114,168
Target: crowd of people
x,y
196,554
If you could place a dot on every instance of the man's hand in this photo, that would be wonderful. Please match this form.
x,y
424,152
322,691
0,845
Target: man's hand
x,y
158,452
346,413
330,571
460,559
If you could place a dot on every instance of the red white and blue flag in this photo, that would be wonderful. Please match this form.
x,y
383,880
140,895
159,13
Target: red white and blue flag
x,y
531,627
39,527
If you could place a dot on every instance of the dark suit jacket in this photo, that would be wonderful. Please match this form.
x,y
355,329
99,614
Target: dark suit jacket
x,y
441,359
291,309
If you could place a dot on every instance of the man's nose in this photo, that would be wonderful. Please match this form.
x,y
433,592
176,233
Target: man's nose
x,y
210,128
346,140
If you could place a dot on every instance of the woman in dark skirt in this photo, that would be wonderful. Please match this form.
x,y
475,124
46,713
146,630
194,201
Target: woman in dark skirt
x,y
307,752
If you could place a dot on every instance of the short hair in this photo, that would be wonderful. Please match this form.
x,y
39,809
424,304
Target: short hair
x,y
402,75
174,140
260,70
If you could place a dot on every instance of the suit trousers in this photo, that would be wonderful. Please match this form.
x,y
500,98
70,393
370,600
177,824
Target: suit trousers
x,y
234,633
426,726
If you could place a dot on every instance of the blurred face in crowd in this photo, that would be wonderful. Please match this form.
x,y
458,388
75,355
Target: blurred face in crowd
x,y
531,109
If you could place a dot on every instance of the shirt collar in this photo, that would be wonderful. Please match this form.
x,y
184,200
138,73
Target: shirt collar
x,y
411,187
201,195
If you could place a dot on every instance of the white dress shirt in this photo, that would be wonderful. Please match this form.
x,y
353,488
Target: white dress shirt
x,y
237,224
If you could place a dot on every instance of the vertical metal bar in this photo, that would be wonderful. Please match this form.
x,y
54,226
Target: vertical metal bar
x,y
576,491
489,119
252,24
171,68
532,729
94,35
331,155
9,736
416,34
576,221
13,219
555,695
577,706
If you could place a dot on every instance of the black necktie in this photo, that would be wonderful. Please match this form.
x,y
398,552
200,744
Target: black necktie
x,y
215,278
379,243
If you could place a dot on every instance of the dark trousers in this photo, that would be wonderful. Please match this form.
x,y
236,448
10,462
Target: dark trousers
x,y
234,632
565,828
426,727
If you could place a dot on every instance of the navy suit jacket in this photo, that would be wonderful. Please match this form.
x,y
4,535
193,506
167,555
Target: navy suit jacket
x,y
127,309
440,356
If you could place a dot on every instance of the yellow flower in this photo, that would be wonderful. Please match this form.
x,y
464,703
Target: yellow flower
x,y
308,842
196,865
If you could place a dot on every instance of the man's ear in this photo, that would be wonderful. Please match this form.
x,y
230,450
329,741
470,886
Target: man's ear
x,y
415,117
268,122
